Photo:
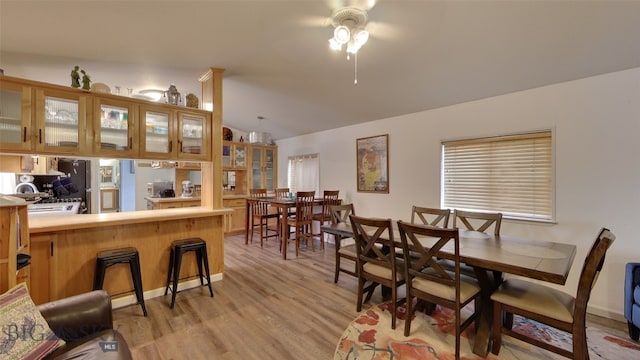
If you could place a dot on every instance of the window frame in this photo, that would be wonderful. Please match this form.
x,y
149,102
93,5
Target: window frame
x,y
532,216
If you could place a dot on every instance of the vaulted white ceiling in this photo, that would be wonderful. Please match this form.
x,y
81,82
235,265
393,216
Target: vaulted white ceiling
x,y
421,54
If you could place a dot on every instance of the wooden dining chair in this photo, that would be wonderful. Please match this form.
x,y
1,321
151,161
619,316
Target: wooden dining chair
x,y
302,220
430,216
550,306
427,280
260,216
340,214
329,198
376,262
477,221
281,193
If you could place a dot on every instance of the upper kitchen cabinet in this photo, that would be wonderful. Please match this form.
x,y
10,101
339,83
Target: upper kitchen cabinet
x,y
61,122
43,118
171,134
158,134
234,155
115,127
263,167
193,142
15,116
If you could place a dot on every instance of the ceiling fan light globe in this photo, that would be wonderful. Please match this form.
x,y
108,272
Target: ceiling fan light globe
x,y
342,34
361,37
352,47
334,45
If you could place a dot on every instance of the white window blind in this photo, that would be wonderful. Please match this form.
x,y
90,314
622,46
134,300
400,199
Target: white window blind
x,y
304,173
508,174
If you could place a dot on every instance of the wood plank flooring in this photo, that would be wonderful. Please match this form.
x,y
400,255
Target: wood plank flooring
x,y
264,308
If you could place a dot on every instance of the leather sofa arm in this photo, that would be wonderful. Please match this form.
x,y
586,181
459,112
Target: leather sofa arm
x,y
78,316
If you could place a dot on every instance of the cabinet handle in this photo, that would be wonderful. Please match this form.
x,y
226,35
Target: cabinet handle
x,y
40,136
180,146
170,145
130,143
51,247
24,134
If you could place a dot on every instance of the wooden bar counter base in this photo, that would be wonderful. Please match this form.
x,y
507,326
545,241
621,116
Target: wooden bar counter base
x,y
64,249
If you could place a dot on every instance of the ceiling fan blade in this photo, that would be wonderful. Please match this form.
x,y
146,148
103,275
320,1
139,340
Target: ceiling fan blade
x,y
381,30
360,4
314,21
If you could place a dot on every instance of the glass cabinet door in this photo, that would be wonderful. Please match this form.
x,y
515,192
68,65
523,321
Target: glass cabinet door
x,y
157,134
256,168
15,117
268,169
240,157
115,128
227,149
192,128
234,155
61,119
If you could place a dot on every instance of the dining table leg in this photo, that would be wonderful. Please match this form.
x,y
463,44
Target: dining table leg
x,y
285,230
246,222
483,333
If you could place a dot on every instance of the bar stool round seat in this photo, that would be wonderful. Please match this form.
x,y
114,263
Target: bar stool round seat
x,y
179,248
127,255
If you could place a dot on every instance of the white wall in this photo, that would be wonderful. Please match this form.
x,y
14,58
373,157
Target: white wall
x,y
597,129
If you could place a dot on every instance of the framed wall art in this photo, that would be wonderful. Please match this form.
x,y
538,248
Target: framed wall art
x,y
372,154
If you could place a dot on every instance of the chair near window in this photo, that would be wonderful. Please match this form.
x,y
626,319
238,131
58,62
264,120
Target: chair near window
x,y
329,198
430,216
303,218
549,305
376,261
340,214
477,221
427,280
260,216
281,193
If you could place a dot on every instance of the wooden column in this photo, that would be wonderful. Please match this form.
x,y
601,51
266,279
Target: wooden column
x,y
212,171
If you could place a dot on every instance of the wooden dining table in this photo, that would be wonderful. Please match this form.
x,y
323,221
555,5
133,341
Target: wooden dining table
x,y
537,259
284,205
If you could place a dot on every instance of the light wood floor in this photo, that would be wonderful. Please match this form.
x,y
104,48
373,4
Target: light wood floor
x,y
264,308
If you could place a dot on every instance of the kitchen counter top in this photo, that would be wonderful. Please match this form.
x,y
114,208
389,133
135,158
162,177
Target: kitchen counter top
x,y
83,221
11,201
171,199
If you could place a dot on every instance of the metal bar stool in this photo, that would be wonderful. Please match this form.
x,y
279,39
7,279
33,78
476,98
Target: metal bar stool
x,y
128,255
178,248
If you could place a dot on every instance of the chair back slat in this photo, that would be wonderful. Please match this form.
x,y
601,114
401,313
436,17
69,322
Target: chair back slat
x,y
340,213
439,217
590,271
424,246
329,198
281,193
486,220
374,241
304,207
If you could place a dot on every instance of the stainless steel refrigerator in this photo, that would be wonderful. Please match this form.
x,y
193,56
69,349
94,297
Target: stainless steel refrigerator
x,y
80,173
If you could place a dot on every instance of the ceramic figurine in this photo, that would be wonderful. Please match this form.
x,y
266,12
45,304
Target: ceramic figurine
x,y
86,80
75,77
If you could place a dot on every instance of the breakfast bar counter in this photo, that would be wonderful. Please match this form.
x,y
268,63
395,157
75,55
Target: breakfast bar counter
x,y
64,248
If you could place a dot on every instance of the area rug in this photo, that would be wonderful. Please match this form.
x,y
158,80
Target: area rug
x,y
370,336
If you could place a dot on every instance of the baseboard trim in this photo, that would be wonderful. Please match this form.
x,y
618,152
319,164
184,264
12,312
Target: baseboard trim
x,y
606,313
150,294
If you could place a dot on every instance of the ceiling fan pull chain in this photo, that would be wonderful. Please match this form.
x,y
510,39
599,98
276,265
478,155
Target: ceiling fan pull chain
x,y
355,75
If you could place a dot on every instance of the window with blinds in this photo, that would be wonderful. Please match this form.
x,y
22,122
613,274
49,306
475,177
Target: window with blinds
x,y
508,174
